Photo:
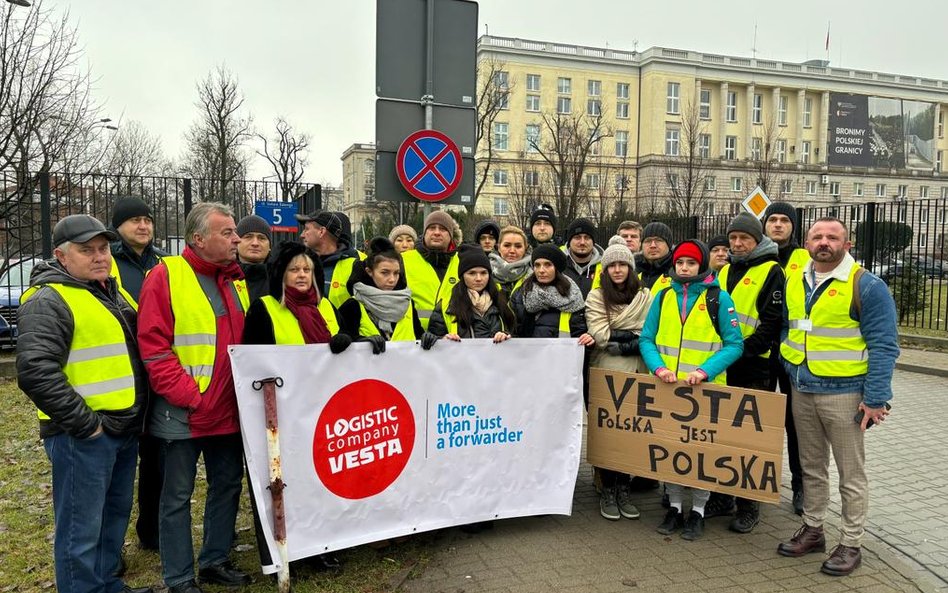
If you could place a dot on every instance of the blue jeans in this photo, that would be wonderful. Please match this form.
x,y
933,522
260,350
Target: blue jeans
x,y
93,483
223,462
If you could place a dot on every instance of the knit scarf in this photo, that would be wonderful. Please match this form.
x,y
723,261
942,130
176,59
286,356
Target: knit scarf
x,y
480,300
506,272
303,305
385,307
543,297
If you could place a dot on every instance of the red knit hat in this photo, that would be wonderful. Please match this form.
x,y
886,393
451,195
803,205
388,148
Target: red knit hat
x,y
688,249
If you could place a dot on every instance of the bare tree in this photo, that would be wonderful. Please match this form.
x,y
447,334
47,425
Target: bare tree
x,y
135,152
524,193
566,145
686,167
493,93
286,153
767,152
650,185
215,142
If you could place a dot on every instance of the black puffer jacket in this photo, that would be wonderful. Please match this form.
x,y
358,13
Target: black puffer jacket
x,y
485,326
45,333
546,323
649,272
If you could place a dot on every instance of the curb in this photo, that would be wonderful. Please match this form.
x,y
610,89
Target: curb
x,y
924,370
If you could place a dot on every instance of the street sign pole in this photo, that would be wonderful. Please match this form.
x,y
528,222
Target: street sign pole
x,y
428,99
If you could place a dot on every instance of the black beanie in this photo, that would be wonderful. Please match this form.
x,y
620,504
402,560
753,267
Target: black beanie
x,y
254,224
549,252
718,241
543,212
746,222
472,257
785,208
578,227
128,207
660,230
280,259
487,227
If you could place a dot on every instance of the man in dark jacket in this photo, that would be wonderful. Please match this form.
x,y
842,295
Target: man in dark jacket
x,y
655,260
77,360
325,234
133,254
582,254
252,253
542,225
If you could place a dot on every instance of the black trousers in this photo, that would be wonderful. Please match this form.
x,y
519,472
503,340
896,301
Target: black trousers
x,y
150,475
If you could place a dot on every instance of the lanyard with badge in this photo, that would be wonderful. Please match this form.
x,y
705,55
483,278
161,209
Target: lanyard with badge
x,y
806,324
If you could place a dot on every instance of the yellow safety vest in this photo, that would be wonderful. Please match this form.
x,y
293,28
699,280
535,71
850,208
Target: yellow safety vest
x,y
798,258
451,321
685,347
338,292
329,316
286,327
660,283
426,289
404,329
195,323
834,347
745,296
99,366
118,284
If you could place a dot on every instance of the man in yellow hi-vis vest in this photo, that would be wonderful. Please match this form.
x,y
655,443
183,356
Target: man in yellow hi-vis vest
x,y
78,361
839,347
431,269
192,308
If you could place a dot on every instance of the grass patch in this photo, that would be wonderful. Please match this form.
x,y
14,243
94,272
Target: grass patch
x,y
26,527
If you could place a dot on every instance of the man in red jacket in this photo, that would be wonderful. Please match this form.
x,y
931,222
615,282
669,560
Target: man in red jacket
x,y
191,309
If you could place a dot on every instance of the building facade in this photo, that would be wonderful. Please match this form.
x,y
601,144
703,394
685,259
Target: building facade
x,y
358,183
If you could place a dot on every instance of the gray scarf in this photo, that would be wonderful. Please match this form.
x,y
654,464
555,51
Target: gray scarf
x,y
506,272
385,307
765,247
541,298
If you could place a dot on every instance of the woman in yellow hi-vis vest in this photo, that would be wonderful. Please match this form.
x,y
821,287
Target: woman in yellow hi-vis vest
x,y
511,264
691,334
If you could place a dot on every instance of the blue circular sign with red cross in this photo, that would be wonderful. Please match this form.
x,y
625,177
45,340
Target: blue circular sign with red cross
x,y
429,166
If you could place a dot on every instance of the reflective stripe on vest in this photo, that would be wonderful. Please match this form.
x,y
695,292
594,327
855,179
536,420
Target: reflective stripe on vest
x,y
745,295
426,289
684,355
834,347
798,258
338,291
99,367
195,323
286,327
118,284
404,329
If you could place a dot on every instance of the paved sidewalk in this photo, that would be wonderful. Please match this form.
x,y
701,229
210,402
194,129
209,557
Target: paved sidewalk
x,y
906,548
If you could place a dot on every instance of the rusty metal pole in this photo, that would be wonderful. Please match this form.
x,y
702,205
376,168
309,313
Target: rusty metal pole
x,y
276,486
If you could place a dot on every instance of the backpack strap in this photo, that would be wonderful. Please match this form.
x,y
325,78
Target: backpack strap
x,y
712,297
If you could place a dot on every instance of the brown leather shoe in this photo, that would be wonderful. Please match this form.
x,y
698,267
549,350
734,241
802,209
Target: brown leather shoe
x,y
842,561
806,540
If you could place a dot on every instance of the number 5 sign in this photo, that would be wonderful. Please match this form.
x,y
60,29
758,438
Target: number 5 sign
x,y
281,216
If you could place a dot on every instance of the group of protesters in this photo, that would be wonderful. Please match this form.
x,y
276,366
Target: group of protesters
x,y
123,350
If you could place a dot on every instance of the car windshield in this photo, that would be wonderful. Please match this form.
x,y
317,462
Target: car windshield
x,y
18,274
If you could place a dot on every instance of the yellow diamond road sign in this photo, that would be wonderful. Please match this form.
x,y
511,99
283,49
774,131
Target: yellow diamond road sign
x,y
756,202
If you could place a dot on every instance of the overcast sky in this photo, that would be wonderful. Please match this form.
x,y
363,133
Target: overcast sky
x,y
313,61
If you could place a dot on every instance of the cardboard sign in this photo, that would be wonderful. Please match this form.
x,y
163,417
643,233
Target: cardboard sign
x,y
708,436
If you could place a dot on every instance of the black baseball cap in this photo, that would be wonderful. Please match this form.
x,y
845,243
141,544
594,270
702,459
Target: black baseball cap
x,y
325,218
79,228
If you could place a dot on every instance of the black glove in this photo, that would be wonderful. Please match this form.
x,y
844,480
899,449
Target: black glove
x,y
378,343
621,336
339,342
613,349
630,348
428,340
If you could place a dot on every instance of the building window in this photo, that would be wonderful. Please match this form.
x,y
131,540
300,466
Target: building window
x,y
622,90
923,191
941,124
704,109
532,137
709,209
781,151
811,188
595,146
501,136
500,177
923,216
502,80
737,184
730,113
622,110
594,107
710,183
782,110
531,178
622,183
500,207
672,98
594,88
673,180
944,193
533,82
622,143
834,189
880,190
704,146
938,161
533,102
922,240
903,191
805,152
730,147
758,109
564,105
672,142
857,189
807,112
756,144
564,86
901,215
592,180
786,186
503,99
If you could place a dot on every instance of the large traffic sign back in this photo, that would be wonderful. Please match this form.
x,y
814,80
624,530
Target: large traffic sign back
x,y
429,165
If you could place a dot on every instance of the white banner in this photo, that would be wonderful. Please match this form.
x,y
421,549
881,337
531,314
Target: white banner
x,y
378,446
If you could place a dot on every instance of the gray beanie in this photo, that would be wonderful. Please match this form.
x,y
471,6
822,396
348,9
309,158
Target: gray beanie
x,y
746,222
403,229
254,224
617,253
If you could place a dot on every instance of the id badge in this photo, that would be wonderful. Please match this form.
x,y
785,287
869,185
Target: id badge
x,y
805,325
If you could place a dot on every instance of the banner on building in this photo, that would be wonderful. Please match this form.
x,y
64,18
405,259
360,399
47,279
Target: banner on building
x,y
708,436
379,446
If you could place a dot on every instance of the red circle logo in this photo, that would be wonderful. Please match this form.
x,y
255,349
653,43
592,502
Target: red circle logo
x,y
364,437
832,292
747,281
702,307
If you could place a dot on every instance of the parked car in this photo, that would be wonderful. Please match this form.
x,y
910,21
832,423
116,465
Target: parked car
x,y
14,281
